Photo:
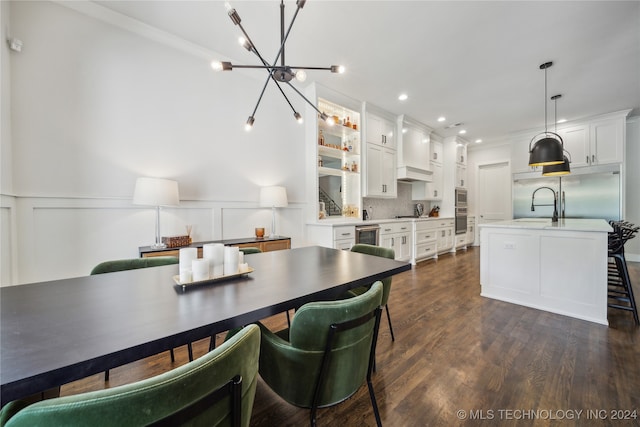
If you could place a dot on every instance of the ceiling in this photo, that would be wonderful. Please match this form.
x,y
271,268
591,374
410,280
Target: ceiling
x,y
474,62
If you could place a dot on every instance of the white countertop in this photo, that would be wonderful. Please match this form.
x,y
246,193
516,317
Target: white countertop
x,y
344,221
567,224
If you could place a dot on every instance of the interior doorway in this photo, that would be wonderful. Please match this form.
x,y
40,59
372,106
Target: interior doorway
x,y
494,192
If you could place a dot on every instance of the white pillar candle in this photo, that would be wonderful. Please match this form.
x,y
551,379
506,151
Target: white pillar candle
x,y
186,256
200,269
244,267
241,257
214,252
185,276
231,256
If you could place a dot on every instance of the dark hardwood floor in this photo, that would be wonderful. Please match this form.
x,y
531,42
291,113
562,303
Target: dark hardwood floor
x,y
461,359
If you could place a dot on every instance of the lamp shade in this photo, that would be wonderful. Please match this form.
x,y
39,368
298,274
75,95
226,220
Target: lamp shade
x,y
546,151
558,169
156,192
273,197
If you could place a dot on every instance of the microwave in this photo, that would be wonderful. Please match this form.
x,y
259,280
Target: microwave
x,y
461,197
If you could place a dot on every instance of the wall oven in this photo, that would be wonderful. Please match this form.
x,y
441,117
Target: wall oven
x,y
369,234
461,197
461,220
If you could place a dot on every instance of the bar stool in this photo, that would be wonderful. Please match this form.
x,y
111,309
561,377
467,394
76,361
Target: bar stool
x,y
620,291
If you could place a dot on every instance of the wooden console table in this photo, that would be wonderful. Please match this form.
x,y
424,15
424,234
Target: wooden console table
x,y
266,244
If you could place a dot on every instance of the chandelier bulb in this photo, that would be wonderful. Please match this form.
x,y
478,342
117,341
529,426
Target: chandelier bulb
x,y
298,117
249,125
227,6
245,43
337,69
216,65
301,75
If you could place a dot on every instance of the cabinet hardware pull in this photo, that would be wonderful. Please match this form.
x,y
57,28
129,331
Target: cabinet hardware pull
x,y
587,159
346,234
593,158
393,241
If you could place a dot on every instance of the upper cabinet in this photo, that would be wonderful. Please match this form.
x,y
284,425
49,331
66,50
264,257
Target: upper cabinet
x,y
431,190
461,153
576,142
380,130
413,150
380,159
435,149
598,141
606,140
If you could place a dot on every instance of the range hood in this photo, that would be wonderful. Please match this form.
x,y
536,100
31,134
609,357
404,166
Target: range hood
x,y
411,174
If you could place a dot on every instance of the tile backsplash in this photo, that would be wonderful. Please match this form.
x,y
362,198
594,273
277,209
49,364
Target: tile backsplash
x,y
390,208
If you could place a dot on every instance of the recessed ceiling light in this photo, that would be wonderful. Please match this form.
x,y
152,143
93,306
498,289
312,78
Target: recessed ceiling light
x,y
462,132
403,97
478,141
442,119
404,130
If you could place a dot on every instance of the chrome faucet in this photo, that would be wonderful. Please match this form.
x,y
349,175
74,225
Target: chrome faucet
x,y
555,202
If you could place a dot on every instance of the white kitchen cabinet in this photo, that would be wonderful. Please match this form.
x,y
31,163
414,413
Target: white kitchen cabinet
x,y
380,131
597,141
425,240
344,237
432,190
576,142
399,237
461,176
461,241
446,235
520,154
606,141
380,172
435,149
471,230
337,237
461,154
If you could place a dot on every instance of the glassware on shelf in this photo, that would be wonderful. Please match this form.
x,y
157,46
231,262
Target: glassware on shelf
x,y
320,138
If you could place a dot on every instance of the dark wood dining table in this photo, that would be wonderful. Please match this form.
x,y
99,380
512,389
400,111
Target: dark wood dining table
x,y
60,331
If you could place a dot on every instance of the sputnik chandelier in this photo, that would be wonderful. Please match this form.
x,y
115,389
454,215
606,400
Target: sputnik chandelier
x,y
279,74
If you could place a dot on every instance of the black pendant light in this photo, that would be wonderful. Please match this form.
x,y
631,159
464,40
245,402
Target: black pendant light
x,y
547,148
562,168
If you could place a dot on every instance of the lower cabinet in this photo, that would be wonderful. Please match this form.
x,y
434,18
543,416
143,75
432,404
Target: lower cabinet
x,y
426,237
344,237
446,235
399,237
471,230
337,237
432,237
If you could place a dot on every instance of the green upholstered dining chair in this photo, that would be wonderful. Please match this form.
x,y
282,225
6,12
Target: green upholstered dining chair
x,y
326,354
250,250
386,282
217,389
132,264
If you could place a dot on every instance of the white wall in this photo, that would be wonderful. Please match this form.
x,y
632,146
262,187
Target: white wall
x,y
95,105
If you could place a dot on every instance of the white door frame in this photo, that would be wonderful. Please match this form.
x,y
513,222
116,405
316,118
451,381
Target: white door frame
x,y
476,191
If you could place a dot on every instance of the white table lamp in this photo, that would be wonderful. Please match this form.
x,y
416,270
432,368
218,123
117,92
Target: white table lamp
x,y
156,192
273,197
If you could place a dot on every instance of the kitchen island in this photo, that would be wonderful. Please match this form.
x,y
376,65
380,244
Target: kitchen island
x,y
558,267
